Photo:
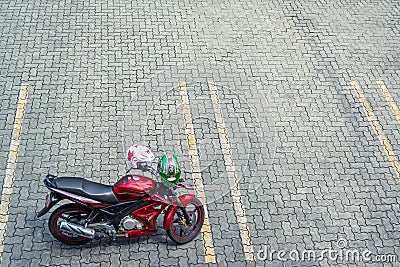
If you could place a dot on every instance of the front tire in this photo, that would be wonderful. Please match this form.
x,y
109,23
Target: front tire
x,y
72,213
182,233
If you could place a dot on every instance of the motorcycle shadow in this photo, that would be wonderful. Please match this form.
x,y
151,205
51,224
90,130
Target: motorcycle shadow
x,y
156,238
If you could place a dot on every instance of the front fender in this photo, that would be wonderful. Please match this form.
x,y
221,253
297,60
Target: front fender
x,y
169,214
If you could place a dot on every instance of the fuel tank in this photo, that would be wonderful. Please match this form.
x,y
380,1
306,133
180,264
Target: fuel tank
x,y
132,187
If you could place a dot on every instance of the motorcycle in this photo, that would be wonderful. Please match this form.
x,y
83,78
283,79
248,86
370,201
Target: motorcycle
x,y
129,208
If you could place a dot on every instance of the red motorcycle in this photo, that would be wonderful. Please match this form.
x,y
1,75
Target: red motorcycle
x,y
129,208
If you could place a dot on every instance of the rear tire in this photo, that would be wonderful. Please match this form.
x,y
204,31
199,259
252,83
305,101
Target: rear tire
x,y
69,212
186,234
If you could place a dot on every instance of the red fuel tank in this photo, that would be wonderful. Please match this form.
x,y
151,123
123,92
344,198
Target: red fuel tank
x,y
132,187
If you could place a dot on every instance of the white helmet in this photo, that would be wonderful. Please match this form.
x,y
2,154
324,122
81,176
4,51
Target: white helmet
x,y
138,153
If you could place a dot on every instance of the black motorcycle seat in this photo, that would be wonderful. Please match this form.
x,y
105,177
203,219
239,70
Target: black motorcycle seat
x,y
86,188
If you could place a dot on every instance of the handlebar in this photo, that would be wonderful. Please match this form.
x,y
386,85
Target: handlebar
x,y
154,172
146,168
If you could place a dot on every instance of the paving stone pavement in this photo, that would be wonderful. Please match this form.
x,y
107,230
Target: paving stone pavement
x,y
104,74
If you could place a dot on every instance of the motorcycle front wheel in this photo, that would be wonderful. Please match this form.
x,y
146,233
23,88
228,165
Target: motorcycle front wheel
x,y
181,232
71,213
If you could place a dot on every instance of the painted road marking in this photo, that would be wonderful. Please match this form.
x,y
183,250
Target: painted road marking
x,y
196,173
389,99
11,167
377,128
231,174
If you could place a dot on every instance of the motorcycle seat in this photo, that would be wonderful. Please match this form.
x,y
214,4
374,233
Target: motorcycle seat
x,y
86,188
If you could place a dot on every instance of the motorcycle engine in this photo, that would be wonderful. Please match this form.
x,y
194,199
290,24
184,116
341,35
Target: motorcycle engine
x,y
130,223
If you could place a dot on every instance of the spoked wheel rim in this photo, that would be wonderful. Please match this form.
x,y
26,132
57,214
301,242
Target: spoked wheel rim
x,y
74,216
184,231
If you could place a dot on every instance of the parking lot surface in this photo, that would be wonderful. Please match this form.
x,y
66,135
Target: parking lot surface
x,y
296,89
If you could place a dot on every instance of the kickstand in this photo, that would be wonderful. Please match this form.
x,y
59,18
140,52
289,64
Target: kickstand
x,y
111,240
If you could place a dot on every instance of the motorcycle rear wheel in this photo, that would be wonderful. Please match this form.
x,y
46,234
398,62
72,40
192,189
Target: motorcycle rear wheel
x,y
72,213
181,233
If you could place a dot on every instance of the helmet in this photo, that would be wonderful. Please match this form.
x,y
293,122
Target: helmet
x,y
136,154
168,167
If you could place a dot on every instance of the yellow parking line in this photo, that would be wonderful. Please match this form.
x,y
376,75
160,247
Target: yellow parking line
x,y
196,173
231,174
377,128
11,167
389,99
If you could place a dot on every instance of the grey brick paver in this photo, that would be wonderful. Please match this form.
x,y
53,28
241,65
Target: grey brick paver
x,y
311,168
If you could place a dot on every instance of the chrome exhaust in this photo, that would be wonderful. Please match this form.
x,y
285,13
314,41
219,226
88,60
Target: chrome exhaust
x,y
76,229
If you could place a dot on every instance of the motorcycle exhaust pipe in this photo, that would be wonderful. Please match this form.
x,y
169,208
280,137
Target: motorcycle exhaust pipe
x,y
76,229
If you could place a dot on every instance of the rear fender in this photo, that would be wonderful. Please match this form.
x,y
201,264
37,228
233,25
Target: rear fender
x,y
51,199
169,214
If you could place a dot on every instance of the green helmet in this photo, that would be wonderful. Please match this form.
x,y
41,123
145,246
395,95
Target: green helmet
x,y
168,167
